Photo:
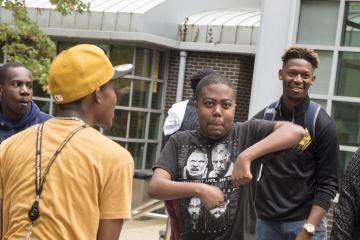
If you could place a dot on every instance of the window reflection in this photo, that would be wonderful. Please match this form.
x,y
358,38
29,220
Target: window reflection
x,y
137,125
143,62
322,103
38,90
345,157
140,93
348,83
136,150
347,118
156,90
119,126
351,30
317,22
1,54
123,88
151,155
154,125
121,54
61,46
159,65
43,105
321,84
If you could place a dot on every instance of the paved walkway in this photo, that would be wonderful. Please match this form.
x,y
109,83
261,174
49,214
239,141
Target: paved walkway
x,y
142,229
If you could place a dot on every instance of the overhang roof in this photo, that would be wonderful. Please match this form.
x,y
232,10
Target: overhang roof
x,y
180,24
124,6
228,26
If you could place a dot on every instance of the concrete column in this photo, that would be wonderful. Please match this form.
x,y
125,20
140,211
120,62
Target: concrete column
x,y
277,30
181,76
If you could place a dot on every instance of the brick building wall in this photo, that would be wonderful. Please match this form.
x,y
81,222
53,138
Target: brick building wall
x,y
238,68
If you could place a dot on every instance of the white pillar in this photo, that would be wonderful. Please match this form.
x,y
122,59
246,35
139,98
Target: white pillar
x,y
181,76
277,31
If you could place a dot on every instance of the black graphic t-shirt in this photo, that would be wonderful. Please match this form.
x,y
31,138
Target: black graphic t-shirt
x,y
189,157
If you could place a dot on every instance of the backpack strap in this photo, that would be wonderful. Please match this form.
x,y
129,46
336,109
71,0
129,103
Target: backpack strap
x,y
311,116
269,113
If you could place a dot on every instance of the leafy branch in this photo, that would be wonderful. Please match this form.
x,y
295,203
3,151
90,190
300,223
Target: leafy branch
x,y
24,42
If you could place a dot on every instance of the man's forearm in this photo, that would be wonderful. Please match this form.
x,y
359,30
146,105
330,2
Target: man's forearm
x,y
316,214
285,135
165,189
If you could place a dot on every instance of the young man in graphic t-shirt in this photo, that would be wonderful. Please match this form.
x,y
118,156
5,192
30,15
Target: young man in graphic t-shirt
x,y
239,143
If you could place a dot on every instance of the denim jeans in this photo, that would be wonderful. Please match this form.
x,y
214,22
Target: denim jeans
x,y
269,230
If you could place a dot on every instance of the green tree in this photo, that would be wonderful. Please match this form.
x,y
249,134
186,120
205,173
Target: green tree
x,y
24,42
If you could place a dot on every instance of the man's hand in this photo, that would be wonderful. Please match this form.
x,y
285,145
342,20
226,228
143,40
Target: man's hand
x,y
210,196
241,174
303,235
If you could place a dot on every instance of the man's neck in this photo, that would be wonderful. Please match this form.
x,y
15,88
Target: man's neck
x,y
73,114
291,104
9,115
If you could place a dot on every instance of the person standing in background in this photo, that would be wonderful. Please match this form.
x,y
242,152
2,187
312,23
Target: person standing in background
x,y
295,187
18,111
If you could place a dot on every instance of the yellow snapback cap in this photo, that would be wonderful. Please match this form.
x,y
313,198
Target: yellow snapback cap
x,y
79,70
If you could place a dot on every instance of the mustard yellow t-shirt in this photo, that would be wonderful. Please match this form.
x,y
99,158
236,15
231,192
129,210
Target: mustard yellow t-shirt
x,y
90,180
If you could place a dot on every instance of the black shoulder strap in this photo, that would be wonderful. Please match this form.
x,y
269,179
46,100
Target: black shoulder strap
x,y
311,116
269,113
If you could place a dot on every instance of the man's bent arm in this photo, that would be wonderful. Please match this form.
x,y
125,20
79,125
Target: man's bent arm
x,y
284,135
162,187
109,229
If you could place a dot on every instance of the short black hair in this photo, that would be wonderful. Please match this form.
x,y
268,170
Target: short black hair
x,y
6,66
297,51
213,79
195,79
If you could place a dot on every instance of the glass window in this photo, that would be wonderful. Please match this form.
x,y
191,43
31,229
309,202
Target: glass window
x,y
43,105
321,84
159,65
317,22
351,25
123,88
137,151
119,126
38,90
322,103
348,82
347,119
65,45
121,54
143,62
137,125
151,155
140,93
345,157
1,54
154,125
157,89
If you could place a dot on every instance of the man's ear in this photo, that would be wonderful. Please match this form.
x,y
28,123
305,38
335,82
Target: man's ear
x,y
98,96
313,80
1,90
279,74
195,103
